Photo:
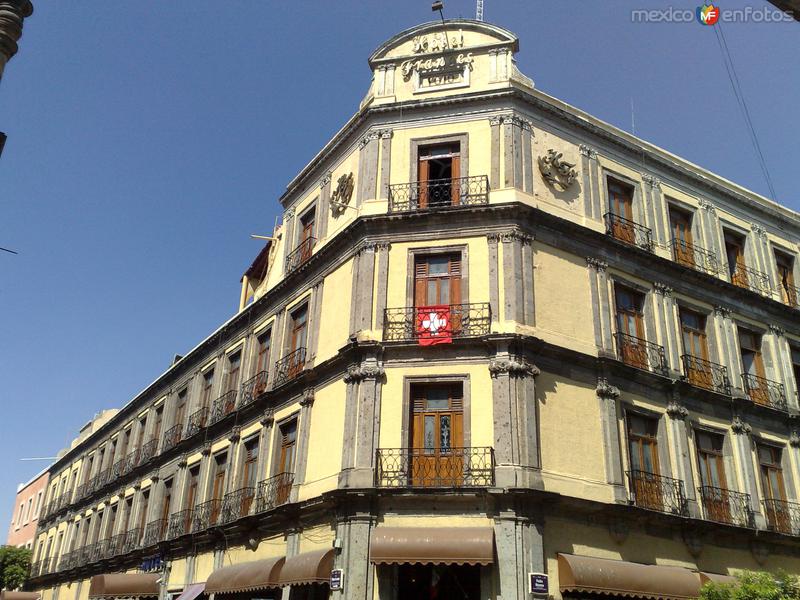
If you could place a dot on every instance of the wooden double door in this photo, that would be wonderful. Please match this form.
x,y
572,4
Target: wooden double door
x,y
437,455
620,204
715,496
646,482
439,170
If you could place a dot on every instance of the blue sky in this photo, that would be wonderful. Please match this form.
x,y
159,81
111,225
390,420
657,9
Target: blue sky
x,y
148,140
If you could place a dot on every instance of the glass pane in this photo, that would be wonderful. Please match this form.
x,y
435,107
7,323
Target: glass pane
x,y
444,432
444,297
429,434
636,463
648,465
432,296
438,265
715,476
438,399
749,362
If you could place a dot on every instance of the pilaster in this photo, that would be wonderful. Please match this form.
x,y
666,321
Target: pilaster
x,y
324,206
386,163
367,168
608,396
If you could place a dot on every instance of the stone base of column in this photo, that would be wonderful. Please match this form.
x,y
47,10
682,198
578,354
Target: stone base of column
x,y
516,476
357,478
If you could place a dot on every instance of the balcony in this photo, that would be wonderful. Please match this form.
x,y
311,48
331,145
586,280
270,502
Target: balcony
x,y
290,366
640,353
206,515
154,532
198,421
133,539
118,468
86,555
274,491
237,504
148,451
116,545
782,516
694,257
437,323
439,194
223,406
172,437
725,506
423,468
99,550
253,388
765,392
706,374
180,523
628,231
131,461
300,255
656,492
752,280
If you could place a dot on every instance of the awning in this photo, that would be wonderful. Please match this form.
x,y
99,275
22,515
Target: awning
x,y
432,545
706,577
631,580
245,577
310,567
128,585
192,591
20,595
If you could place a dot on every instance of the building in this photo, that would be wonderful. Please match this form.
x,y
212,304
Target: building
x,y
12,15
486,351
27,506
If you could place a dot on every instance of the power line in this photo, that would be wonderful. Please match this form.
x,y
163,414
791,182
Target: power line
x,y
727,59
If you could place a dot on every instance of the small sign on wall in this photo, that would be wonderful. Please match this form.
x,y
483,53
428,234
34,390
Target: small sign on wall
x,y
337,579
538,584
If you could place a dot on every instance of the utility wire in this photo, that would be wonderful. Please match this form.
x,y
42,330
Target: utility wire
x,y
727,59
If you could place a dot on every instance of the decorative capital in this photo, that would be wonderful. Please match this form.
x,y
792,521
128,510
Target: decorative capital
x,y
596,263
662,289
493,238
513,367
206,449
514,235
308,397
707,205
137,486
777,329
358,373
495,120
606,390
386,134
268,418
382,246
722,311
289,214
759,230
794,439
651,180
676,410
236,434
739,427
371,136
154,477
184,460
587,151
326,179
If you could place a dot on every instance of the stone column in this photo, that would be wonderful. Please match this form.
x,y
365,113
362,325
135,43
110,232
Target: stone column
x,y
289,242
512,151
589,187
314,322
353,529
180,485
232,476
676,422
352,381
12,15
494,170
493,240
382,248
655,209
601,308
727,345
267,423
206,472
612,448
743,447
367,429
515,415
324,206
303,435
709,227
520,550
363,287
782,353
514,289
386,163
667,316
367,177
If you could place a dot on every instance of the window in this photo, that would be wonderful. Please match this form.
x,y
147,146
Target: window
x,y
796,366
785,265
158,424
208,385
437,280
142,429
773,489
734,251
307,233
88,470
437,434
631,345
234,364
128,514
288,444
699,371
753,366
620,207
166,501
439,171
126,439
299,325
682,243
180,409
645,480
218,486
711,463
262,358
28,510
191,490
249,471
38,509
19,514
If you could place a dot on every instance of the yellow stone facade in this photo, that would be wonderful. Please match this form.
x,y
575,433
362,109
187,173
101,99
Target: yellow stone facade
x,y
300,424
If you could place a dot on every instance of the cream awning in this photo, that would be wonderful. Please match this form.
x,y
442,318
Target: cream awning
x,y
245,577
124,585
432,545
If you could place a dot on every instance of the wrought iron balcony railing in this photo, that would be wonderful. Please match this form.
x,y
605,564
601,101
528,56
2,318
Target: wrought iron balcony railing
x,y
117,544
35,569
443,322
706,374
118,468
80,492
274,491
206,515
782,516
640,353
290,366
751,279
198,421
694,257
790,294
180,523
253,388
628,231
423,467
172,437
439,194
132,460
86,554
656,492
100,550
154,532
765,392
298,257
133,539
726,506
223,406
148,451
237,504
102,479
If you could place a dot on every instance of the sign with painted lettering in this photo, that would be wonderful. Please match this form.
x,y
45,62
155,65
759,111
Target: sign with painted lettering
x,y
538,584
337,579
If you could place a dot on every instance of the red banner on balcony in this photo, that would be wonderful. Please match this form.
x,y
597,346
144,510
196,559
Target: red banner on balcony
x,y
433,325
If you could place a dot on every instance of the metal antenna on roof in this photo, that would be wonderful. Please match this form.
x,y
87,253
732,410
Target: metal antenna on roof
x,y
439,5
479,11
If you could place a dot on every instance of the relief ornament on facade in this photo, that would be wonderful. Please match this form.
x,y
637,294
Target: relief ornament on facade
x,y
558,173
342,194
